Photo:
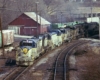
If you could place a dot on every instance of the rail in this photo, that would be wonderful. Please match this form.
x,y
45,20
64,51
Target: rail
x,y
60,64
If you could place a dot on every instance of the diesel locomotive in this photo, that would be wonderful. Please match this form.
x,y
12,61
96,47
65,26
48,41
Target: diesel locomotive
x,y
32,48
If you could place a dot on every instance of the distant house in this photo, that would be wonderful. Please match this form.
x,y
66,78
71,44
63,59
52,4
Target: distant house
x,y
27,24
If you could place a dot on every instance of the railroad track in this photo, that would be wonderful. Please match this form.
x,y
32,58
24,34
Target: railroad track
x,y
61,63
15,74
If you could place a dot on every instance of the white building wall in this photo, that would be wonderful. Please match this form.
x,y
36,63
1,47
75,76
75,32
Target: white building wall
x,y
15,28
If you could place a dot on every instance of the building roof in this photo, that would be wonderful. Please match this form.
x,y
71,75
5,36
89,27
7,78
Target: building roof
x,y
32,15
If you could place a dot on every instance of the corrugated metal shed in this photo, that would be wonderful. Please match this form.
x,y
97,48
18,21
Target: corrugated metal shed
x,y
32,15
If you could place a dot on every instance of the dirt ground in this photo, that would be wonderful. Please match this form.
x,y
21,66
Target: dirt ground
x,y
85,63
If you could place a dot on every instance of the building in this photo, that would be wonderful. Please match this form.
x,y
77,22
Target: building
x,y
29,23
82,9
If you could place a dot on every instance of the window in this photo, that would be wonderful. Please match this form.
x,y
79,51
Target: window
x,y
94,15
98,14
27,44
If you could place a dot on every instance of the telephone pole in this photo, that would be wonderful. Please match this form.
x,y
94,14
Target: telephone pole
x,y
61,18
2,41
37,18
91,11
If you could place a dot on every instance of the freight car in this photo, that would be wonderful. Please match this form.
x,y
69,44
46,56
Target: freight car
x,y
88,29
30,49
8,37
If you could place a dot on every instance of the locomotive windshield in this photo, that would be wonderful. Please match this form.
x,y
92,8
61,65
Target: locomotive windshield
x,y
27,43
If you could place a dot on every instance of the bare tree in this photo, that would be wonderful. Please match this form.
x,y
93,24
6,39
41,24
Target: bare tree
x,y
25,5
52,6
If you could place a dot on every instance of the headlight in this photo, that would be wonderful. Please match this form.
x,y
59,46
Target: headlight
x,y
25,50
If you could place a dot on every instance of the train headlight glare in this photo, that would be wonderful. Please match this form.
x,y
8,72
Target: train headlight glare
x,y
25,50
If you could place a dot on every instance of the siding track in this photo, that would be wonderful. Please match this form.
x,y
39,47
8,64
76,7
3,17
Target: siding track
x,y
15,73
